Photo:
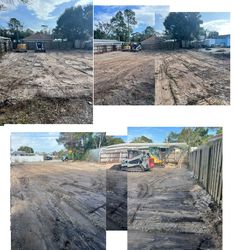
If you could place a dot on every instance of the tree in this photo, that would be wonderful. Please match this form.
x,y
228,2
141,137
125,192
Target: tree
x,y
118,25
75,23
142,139
213,34
149,31
26,149
137,37
102,30
183,26
111,140
172,137
129,18
191,136
15,27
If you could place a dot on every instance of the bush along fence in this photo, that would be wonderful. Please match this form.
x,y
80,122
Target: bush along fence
x,y
206,164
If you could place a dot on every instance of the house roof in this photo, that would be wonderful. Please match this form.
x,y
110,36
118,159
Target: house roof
x,y
4,38
38,37
224,36
153,39
107,42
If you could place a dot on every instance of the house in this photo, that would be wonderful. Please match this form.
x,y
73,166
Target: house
x,y
21,156
106,45
220,41
159,42
38,37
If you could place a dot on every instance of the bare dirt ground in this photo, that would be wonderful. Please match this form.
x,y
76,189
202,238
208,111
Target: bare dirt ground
x,y
116,203
167,210
124,78
181,77
52,87
188,77
58,206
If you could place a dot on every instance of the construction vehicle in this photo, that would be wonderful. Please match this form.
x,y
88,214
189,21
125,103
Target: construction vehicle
x,y
126,47
39,47
21,47
132,47
65,158
137,161
135,47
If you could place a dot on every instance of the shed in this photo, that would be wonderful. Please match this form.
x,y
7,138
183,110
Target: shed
x,y
38,37
105,45
117,153
5,44
21,156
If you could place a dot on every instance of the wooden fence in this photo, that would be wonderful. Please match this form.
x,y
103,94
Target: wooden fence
x,y
206,164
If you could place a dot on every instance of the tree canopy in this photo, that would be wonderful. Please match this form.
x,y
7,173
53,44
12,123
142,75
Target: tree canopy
x,y
183,26
79,143
192,136
26,149
142,139
119,27
75,23
213,34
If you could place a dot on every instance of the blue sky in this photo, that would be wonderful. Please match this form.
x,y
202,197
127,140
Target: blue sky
x,y
218,21
40,142
157,134
38,12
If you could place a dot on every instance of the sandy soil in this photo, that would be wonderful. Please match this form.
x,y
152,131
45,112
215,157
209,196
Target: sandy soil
x,y
124,78
192,78
58,206
167,210
52,87
116,202
184,77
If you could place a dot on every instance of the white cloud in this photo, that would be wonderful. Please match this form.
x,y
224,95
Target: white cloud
x,y
43,9
221,25
145,15
84,2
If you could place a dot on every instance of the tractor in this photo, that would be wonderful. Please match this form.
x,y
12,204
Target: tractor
x,y
137,161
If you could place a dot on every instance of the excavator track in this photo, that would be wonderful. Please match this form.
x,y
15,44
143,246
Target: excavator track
x,y
132,169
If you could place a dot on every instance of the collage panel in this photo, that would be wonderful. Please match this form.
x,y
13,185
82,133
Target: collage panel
x,y
149,55
163,185
46,62
176,201
58,197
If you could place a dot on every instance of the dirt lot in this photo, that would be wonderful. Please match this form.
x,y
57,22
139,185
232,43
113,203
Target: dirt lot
x,y
182,77
116,203
167,210
52,87
57,205
192,78
124,78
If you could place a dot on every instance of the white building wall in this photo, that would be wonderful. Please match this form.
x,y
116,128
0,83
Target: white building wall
x,y
31,158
